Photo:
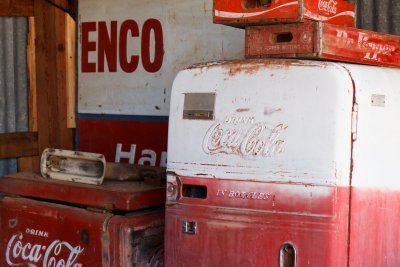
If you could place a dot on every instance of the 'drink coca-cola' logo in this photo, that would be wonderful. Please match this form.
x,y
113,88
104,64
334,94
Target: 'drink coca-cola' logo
x,y
57,254
243,136
328,6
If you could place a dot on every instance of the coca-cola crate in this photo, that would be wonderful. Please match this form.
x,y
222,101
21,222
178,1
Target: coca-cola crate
x,y
240,13
316,40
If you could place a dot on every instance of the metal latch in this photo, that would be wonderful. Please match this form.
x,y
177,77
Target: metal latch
x,y
354,121
189,227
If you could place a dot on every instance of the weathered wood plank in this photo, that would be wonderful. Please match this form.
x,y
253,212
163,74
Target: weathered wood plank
x,y
29,164
16,8
31,58
61,55
70,71
50,78
14,145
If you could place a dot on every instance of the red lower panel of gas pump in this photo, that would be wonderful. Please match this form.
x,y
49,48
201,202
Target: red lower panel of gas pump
x,y
241,223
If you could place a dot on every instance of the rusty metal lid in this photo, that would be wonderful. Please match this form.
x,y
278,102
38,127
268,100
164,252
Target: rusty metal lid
x,y
111,195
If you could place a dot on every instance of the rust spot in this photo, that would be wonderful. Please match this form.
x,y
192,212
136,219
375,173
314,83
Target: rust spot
x,y
85,237
271,111
244,68
242,109
12,223
249,66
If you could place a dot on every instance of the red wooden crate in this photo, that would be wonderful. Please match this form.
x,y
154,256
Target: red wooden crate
x,y
240,13
315,40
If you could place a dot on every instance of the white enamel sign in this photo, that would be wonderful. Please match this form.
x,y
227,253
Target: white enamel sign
x,y
130,51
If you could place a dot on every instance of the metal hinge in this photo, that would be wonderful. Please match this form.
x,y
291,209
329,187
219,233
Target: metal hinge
x,y
354,121
189,227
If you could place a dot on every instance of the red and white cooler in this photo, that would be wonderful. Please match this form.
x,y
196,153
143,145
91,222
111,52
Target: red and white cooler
x,y
283,163
54,223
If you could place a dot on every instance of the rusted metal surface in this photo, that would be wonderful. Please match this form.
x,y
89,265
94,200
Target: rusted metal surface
x,y
76,166
140,240
247,222
323,41
111,195
150,175
257,12
266,197
38,233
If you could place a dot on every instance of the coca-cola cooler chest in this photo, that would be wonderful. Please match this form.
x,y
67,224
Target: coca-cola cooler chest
x,y
46,222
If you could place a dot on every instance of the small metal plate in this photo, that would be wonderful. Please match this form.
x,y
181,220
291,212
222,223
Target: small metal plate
x,y
199,106
378,100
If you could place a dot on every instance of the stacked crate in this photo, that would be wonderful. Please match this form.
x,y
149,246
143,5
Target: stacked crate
x,y
310,29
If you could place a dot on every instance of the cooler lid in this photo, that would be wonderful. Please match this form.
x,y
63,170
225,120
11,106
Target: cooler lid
x,y
280,121
111,195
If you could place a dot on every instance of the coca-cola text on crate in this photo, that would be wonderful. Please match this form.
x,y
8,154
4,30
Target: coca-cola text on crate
x,y
240,13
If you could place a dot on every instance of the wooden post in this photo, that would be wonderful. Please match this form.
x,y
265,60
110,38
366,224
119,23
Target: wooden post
x,y
51,77
70,71
31,163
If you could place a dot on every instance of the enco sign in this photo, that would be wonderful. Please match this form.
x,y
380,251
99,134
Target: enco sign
x,y
112,45
130,51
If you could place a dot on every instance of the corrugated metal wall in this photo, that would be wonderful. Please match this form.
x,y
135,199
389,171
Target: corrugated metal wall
x,y
379,15
13,81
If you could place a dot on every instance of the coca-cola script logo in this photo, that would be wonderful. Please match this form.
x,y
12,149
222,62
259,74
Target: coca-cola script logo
x,y
19,253
328,6
244,137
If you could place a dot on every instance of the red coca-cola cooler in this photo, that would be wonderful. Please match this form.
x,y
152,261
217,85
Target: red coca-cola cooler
x,y
47,222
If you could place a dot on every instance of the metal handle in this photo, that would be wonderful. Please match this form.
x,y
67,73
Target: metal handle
x,y
189,227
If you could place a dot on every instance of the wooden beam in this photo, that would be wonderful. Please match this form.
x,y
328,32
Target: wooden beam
x,y
18,145
29,164
70,70
51,77
31,59
62,72
16,8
